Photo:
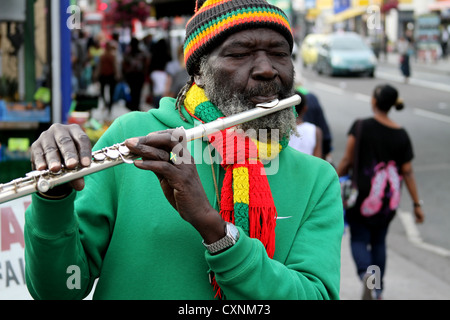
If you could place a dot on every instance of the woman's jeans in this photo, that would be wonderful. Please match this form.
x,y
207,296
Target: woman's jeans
x,y
368,245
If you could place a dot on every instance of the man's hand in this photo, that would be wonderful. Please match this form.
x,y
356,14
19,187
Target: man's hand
x,y
179,179
66,145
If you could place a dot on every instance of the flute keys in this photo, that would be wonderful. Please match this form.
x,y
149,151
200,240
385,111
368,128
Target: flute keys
x,y
43,185
113,154
99,157
124,150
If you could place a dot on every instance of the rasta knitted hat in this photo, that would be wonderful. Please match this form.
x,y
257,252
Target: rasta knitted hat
x,y
215,20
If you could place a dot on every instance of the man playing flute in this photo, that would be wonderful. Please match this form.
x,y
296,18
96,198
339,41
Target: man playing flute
x,y
263,222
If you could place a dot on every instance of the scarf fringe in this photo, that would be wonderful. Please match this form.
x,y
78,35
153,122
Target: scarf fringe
x,y
227,215
262,226
216,288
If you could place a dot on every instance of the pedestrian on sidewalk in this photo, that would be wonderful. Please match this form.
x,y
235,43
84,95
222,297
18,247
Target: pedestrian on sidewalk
x,y
308,138
134,70
107,74
404,49
444,42
316,115
160,79
384,159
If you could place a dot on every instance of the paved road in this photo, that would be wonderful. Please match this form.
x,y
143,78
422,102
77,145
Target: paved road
x,y
416,269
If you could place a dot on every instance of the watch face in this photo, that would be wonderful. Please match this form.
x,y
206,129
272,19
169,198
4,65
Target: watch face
x,y
234,231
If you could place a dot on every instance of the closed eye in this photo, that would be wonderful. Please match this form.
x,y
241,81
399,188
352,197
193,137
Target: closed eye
x,y
238,55
280,54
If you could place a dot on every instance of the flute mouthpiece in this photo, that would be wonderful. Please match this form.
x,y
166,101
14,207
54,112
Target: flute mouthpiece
x,y
268,105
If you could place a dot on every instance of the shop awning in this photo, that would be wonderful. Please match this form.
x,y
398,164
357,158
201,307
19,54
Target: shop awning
x,y
313,13
346,14
440,5
172,8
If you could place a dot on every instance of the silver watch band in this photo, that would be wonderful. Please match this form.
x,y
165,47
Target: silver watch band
x,y
231,237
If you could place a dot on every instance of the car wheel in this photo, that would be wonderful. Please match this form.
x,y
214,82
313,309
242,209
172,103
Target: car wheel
x,y
329,70
319,67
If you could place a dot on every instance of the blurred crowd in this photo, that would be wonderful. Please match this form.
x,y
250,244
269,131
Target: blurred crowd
x,y
124,70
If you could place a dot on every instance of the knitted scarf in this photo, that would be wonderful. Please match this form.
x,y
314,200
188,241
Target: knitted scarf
x,y
246,199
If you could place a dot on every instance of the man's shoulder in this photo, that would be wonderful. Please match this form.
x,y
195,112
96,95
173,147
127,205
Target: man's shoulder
x,y
295,158
153,116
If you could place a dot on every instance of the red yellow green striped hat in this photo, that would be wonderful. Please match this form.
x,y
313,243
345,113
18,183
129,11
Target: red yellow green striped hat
x,y
217,19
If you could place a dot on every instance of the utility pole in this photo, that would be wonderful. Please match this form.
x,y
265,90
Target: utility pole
x,y
29,52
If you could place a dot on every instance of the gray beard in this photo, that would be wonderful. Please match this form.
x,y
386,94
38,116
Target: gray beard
x,y
228,101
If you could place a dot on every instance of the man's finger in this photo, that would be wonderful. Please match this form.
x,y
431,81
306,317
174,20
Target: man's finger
x,y
51,154
83,144
74,145
37,157
77,184
146,151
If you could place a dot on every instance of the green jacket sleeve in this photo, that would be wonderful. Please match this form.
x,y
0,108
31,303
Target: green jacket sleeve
x,y
64,248
312,268
54,251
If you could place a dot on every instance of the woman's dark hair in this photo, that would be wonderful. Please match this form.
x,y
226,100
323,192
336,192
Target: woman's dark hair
x,y
134,45
160,55
299,107
386,96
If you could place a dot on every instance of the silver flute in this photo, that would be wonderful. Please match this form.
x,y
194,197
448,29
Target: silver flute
x,y
44,180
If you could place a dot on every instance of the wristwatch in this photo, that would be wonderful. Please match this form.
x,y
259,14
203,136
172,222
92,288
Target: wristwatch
x,y
231,237
417,204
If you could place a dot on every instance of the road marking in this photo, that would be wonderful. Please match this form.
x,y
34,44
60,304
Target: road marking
x,y
442,105
415,81
425,167
413,235
431,115
331,89
366,98
362,97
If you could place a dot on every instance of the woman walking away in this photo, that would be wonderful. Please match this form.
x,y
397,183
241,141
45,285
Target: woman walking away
x,y
384,160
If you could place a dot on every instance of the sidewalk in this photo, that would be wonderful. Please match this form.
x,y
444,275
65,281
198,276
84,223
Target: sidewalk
x,y
439,67
403,280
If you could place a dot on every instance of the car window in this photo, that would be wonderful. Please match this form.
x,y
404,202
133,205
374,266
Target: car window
x,y
347,43
312,41
318,42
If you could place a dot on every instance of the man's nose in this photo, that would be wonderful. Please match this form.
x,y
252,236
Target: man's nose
x,y
263,67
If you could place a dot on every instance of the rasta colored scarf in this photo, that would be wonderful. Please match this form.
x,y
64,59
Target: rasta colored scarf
x,y
246,199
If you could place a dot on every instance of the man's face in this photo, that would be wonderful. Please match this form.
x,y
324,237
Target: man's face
x,y
250,67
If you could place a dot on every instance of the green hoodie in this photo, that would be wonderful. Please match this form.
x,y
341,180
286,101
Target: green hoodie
x,y
122,231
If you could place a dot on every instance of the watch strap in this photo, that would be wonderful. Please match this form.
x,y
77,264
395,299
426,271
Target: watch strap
x,y
231,237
